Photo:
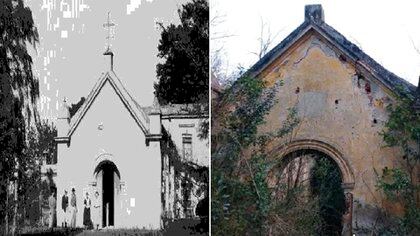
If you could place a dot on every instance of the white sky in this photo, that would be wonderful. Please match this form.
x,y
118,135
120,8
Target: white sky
x,y
385,30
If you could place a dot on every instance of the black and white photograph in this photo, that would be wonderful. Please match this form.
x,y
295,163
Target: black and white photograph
x,y
104,119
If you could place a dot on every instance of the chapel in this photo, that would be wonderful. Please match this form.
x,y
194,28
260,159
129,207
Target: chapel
x,y
149,164
340,95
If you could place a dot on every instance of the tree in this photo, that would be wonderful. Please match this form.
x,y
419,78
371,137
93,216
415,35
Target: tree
x,y
241,198
265,40
400,184
75,106
183,76
40,146
19,91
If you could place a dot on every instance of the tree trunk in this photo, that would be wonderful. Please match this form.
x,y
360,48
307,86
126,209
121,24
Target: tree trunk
x,y
6,220
15,198
15,208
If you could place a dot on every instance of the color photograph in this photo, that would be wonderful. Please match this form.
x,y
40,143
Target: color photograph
x,y
315,118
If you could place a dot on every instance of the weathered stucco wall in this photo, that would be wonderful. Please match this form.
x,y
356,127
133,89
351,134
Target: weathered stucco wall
x,y
123,142
338,106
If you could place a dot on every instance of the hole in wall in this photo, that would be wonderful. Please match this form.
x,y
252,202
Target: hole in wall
x,y
367,87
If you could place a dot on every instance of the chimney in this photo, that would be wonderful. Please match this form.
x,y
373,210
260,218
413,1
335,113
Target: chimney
x,y
109,53
314,13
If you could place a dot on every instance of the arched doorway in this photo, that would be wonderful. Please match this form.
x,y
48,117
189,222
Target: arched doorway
x,y
108,178
299,163
310,144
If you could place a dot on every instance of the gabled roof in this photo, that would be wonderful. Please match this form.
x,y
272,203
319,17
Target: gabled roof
x,y
133,107
314,22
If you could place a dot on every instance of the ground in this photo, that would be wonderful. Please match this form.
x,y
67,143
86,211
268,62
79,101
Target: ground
x,y
182,227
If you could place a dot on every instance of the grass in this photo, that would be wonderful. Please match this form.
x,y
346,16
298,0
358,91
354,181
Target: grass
x,y
177,227
118,232
81,232
47,231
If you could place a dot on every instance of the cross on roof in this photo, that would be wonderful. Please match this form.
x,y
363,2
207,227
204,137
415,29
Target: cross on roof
x,y
109,24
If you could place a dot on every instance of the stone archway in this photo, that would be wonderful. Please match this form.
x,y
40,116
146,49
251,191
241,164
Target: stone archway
x,y
107,178
327,149
347,176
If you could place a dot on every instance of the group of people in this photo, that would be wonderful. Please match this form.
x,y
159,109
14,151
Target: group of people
x,y
69,209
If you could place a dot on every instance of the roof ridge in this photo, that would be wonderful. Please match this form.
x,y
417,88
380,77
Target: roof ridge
x,y
388,78
137,105
122,93
384,73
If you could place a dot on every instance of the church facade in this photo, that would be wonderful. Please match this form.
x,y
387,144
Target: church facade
x,y
148,164
340,95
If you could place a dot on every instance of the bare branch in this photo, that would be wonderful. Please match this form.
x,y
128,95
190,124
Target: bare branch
x,y
414,45
266,39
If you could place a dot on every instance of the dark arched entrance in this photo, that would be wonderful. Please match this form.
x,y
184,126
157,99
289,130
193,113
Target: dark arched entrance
x,y
312,177
107,171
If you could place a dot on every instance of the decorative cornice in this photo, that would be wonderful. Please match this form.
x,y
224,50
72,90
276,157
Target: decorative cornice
x,y
184,116
153,138
62,139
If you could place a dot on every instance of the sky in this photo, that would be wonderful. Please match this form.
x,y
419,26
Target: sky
x,y
68,59
388,31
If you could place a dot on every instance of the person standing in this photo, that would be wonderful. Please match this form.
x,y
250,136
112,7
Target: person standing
x,y
52,204
96,213
87,222
73,205
65,206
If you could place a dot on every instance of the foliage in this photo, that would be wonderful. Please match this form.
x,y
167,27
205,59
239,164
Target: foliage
x,y
17,29
40,142
403,130
241,198
295,217
183,76
39,145
397,186
400,184
326,185
186,175
19,91
75,106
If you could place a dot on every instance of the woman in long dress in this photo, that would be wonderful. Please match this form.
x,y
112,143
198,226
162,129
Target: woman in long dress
x,y
96,213
73,206
87,222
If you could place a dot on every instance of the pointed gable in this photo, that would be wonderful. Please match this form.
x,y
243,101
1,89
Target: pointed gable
x,y
132,106
314,23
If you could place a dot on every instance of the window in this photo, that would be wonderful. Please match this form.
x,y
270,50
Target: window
x,y
187,146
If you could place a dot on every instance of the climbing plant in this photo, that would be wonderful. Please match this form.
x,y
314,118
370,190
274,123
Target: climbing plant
x,y
241,198
400,184
326,185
